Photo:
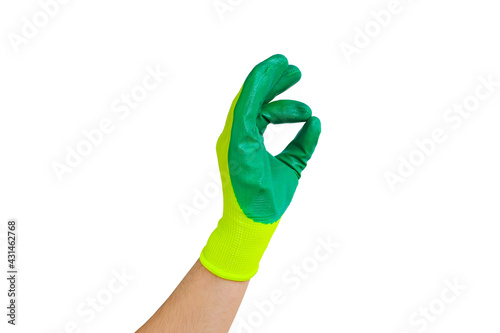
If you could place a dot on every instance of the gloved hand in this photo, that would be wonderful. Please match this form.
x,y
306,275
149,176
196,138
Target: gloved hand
x,y
257,186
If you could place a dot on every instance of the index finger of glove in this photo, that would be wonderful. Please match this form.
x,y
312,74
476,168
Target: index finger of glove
x,y
289,77
256,88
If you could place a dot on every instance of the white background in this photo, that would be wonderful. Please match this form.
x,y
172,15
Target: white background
x,y
120,208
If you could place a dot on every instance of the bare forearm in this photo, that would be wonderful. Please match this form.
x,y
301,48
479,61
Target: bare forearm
x,y
202,302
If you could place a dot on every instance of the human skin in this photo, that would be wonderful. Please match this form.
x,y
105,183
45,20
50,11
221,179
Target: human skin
x,y
202,302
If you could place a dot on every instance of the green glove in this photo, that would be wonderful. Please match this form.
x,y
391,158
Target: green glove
x,y
257,186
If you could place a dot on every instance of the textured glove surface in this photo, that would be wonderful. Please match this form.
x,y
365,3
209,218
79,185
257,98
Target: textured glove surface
x,y
257,186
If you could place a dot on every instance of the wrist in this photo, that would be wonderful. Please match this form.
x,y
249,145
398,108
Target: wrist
x,y
236,246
